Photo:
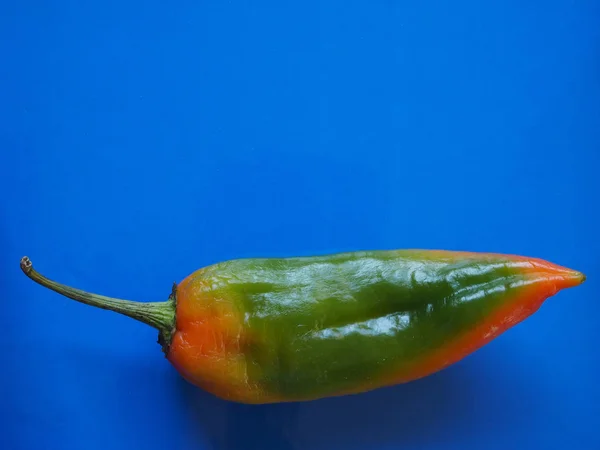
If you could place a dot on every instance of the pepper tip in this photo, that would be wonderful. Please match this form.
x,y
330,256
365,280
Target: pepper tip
x,y
571,279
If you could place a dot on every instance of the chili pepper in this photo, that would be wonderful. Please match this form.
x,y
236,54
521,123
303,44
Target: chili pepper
x,y
296,329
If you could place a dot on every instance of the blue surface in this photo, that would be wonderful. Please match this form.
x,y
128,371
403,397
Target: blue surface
x,y
140,141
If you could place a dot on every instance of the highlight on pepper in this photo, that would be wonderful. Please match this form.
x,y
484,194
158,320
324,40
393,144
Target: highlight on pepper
x,y
267,330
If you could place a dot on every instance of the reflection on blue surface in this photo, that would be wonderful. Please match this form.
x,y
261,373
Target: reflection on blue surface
x,y
142,140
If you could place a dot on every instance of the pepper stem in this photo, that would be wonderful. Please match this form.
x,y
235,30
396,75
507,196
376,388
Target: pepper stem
x,y
159,315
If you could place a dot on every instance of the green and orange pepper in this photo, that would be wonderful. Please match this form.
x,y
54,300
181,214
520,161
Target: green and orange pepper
x,y
297,329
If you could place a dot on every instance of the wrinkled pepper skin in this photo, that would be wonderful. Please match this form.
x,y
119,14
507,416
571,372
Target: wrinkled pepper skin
x,y
298,329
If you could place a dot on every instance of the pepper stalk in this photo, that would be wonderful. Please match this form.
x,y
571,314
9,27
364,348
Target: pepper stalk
x,y
159,315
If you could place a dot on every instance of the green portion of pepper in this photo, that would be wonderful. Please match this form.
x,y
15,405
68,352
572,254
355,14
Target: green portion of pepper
x,y
325,324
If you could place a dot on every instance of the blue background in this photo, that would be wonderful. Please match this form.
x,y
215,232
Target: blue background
x,y
142,140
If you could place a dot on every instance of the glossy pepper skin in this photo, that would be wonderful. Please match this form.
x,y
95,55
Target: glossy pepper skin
x,y
298,329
